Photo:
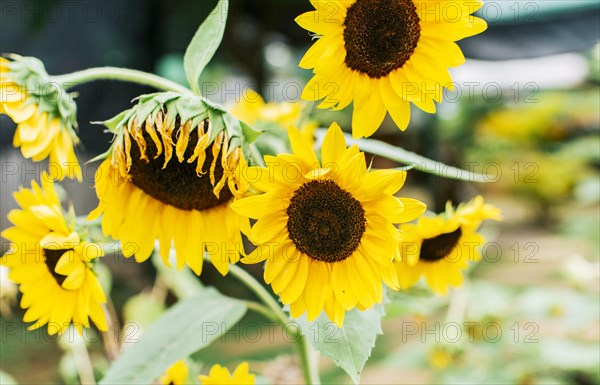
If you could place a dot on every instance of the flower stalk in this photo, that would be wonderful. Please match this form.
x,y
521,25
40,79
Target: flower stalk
x,y
309,364
122,74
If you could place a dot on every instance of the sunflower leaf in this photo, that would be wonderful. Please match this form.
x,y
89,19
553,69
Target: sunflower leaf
x,y
349,347
413,160
204,44
192,324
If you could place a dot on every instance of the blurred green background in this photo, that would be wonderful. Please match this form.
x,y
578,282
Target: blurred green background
x,y
526,112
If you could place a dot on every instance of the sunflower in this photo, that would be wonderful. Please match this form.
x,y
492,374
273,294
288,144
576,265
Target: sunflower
x,y
252,109
172,177
326,229
52,264
177,374
441,247
384,54
45,122
219,375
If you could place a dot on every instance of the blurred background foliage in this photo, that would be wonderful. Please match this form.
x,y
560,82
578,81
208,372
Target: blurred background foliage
x,y
526,111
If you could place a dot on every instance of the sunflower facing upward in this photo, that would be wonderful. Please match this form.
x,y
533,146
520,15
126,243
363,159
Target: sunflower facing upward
x,y
440,248
384,54
52,263
326,229
173,180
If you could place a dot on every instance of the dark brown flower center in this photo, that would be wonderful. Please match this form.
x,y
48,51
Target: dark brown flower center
x,y
51,258
438,248
325,222
380,35
177,184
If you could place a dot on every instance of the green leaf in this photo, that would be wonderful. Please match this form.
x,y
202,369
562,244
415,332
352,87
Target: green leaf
x,y
349,347
204,44
410,158
187,327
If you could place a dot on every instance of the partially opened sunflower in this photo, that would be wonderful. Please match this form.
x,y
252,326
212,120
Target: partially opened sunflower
x,y
326,229
383,55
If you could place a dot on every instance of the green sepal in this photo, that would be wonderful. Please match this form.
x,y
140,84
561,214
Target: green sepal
x,y
250,134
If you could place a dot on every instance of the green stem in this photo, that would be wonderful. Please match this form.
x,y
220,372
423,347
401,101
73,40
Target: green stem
x,y
309,365
260,292
123,74
83,363
261,309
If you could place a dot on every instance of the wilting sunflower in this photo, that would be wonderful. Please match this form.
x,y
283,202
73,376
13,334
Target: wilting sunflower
x,y
172,176
177,374
440,248
326,229
52,264
219,375
45,116
384,54
252,109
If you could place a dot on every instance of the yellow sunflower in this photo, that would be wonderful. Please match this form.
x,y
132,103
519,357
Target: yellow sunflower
x,y
52,264
252,109
441,247
177,374
384,54
326,229
42,130
219,375
173,179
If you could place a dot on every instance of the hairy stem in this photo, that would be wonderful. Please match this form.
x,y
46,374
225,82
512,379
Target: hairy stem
x,y
123,74
309,365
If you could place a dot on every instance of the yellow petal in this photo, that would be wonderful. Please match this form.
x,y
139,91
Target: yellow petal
x,y
301,147
413,209
334,145
341,286
75,278
368,116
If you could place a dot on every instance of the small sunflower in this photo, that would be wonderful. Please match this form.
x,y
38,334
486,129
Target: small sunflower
x,y
326,229
440,248
52,264
219,375
252,109
45,117
440,357
384,54
172,175
177,374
